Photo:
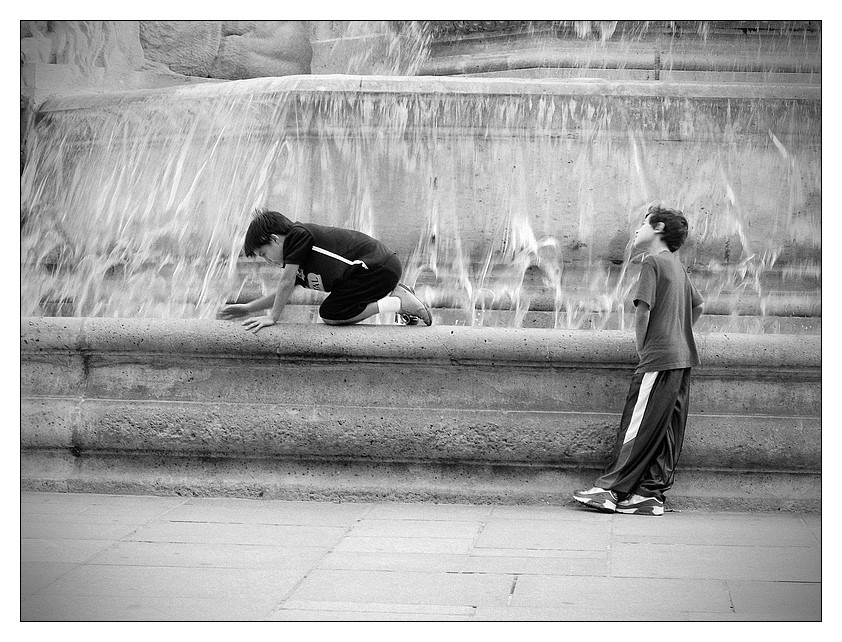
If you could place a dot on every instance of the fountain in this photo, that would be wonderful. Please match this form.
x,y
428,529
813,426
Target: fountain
x,y
510,201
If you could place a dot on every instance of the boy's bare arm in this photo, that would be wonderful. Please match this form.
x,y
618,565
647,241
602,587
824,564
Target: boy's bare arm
x,y
233,310
263,303
286,284
641,324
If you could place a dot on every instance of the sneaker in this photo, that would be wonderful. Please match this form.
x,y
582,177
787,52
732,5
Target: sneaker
x,y
598,498
406,319
411,305
639,505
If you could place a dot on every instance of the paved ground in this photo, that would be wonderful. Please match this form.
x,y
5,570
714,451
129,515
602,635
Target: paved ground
x,y
108,557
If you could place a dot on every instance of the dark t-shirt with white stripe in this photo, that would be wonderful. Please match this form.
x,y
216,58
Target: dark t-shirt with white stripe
x,y
326,255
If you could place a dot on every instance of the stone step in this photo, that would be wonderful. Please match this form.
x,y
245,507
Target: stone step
x,y
121,403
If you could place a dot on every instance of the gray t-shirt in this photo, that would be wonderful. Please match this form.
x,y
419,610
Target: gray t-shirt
x,y
665,286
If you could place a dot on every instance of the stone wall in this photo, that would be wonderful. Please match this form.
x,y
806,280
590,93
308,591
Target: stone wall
x,y
712,51
439,413
86,56
68,56
229,50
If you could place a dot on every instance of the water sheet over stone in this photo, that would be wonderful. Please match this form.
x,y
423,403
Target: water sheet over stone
x,y
496,194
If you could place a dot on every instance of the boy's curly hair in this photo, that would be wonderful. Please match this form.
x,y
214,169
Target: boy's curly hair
x,y
264,224
675,225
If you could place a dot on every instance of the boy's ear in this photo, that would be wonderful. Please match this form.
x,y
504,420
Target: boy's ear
x,y
274,238
659,226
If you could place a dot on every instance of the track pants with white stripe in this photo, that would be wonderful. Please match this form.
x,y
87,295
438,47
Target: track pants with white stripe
x,y
650,435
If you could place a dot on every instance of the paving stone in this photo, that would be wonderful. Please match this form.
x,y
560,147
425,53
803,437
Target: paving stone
x,y
36,501
416,528
558,563
117,515
91,530
191,554
37,507
439,545
631,598
355,611
33,501
36,575
529,614
423,562
301,615
785,601
792,564
546,534
246,511
258,534
535,512
111,557
65,551
423,511
597,612
131,513
400,587
122,608
729,529
171,581
814,525
103,509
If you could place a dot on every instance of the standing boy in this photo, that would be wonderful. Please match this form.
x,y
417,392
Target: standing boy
x,y
651,431
360,273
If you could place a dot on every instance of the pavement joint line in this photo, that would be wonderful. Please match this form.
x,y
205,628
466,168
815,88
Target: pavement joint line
x,y
113,545
328,551
382,607
804,523
512,590
116,542
727,590
794,581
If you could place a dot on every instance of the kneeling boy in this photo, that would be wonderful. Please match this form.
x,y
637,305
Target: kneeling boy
x,y
360,273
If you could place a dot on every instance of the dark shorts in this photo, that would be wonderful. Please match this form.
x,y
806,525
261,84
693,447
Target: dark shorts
x,y
359,288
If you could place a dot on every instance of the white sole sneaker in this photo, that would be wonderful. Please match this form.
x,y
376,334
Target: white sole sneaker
x,y
411,305
638,505
604,501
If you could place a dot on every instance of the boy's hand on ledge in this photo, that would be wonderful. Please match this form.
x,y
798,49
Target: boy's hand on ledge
x,y
256,323
233,311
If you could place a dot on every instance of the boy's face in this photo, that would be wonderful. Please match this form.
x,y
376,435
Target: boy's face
x,y
645,236
273,251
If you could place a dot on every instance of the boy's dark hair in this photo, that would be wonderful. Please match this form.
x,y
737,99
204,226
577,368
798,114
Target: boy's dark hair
x,y
675,225
264,224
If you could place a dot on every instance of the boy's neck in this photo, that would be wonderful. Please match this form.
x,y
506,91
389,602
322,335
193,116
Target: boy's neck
x,y
657,247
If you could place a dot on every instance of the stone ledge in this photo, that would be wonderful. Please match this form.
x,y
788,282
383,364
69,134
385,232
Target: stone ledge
x,y
443,85
442,344
404,482
393,433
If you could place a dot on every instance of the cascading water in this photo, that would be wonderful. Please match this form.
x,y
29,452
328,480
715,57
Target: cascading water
x,y
504,198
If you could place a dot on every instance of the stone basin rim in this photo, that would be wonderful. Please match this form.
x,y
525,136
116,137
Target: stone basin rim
x,y
443,344
440,85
